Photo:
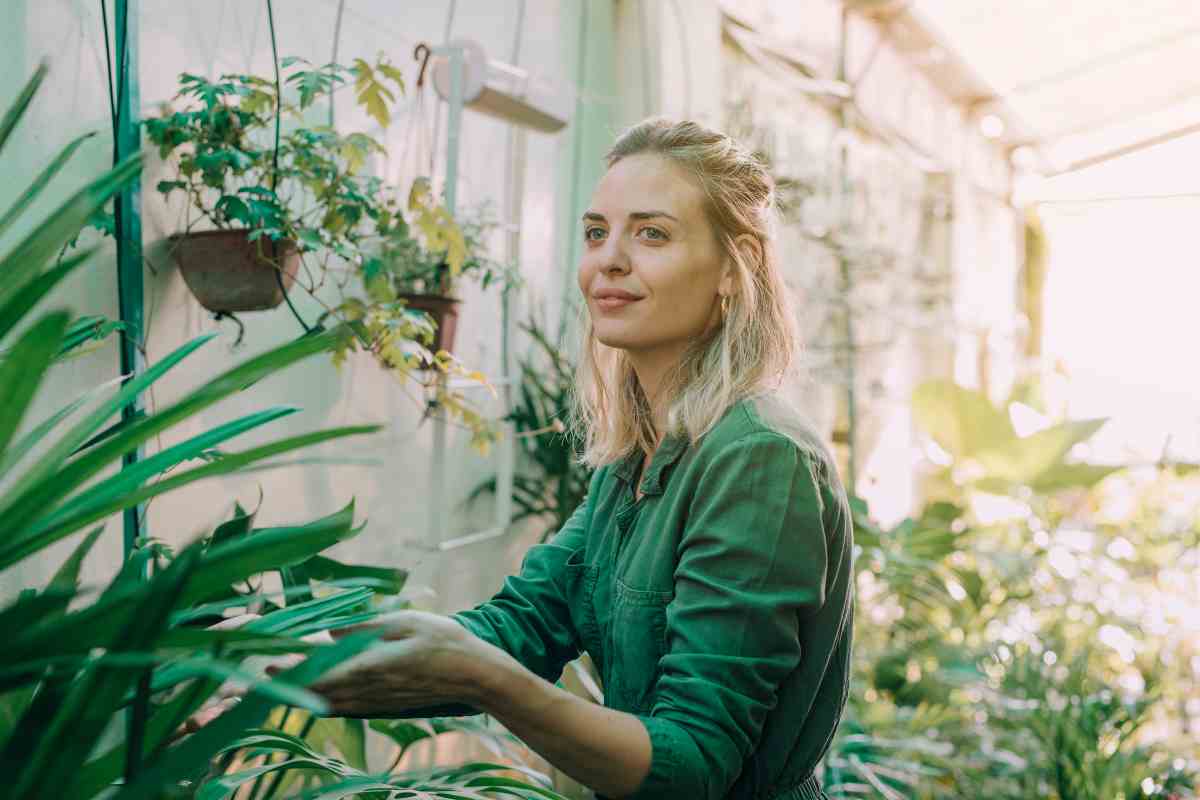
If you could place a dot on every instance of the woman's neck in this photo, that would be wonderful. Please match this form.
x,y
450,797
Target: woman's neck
x,y
652,370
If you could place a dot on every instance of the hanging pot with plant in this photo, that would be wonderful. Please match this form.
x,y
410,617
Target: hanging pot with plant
x,y
427,261
228,272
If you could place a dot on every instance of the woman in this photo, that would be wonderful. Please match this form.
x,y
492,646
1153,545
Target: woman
x,y
708,571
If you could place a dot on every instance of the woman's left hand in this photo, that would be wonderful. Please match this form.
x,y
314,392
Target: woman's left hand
x,y
423,660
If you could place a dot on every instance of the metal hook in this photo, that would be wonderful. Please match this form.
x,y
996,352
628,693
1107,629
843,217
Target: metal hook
x,y
421,53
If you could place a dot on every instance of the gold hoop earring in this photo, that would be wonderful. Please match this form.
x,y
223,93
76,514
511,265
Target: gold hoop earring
x,y
724,307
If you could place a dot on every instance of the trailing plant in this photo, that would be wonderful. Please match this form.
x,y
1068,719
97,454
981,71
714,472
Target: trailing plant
x,y
238,167
94,684
427,262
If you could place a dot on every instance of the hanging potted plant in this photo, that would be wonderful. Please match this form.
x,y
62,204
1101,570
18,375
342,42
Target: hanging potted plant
x,y
260,197
428,260
286,197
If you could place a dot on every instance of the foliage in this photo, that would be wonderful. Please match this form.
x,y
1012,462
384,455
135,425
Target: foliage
x,y
429,263
555,482
991,656
95,684
238,168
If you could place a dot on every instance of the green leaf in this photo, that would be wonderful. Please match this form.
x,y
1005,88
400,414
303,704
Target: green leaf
x,y
963,422
11,117
286,619
30,195
349,736
54,737
1023,460
268,549
1071,476
22,371
25,260
87,329
29,295
389,580
196,750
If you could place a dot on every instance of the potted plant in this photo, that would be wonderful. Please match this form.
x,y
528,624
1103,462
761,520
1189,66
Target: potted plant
x,y
301,196
259,198
426,262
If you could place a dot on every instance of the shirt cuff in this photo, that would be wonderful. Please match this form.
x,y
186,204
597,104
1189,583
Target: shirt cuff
x,y
670,746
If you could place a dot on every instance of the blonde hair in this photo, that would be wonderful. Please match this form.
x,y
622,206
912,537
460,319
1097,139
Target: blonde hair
x,y
753,348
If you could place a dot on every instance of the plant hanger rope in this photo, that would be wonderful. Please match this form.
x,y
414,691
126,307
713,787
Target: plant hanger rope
x,y
275,164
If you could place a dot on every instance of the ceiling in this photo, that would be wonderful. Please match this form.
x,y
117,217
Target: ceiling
x,y
1087,79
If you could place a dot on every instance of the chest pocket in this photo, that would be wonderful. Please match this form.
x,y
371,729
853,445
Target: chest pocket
x,y
581,580
639,641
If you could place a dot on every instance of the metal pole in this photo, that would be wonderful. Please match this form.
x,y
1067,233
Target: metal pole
x,y
127,214
128,218
437,476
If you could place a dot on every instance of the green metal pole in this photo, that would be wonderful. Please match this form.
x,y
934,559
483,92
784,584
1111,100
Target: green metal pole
x,y
128,217
127,213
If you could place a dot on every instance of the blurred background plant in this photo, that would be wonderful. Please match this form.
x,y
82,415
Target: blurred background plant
x,y
1010,637
550,483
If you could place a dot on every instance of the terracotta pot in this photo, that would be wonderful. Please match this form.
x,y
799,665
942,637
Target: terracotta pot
x,y
226,272
444,311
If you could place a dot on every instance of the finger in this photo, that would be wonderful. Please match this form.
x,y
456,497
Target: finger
x,y
282,664
233,623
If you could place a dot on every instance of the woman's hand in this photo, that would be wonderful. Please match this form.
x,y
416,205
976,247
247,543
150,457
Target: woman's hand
x,y
423,659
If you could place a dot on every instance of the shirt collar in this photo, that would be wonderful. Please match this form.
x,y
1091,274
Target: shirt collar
x,y
668,452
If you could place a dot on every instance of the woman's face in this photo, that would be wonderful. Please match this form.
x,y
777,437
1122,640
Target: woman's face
x,y
651,267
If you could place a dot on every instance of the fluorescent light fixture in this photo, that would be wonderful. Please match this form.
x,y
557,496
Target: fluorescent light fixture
x,y
502,90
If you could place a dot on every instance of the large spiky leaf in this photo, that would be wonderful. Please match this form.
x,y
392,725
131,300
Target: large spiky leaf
x,y
27,258
11,117
27,197
196,750
22,370
53,739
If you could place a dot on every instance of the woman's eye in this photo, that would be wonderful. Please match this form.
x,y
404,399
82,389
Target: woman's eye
x,y
656,234
593,234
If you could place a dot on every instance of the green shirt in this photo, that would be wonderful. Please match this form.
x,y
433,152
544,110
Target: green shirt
x,y
717,607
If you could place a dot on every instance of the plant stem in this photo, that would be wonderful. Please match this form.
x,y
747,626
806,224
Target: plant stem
x,y
278,776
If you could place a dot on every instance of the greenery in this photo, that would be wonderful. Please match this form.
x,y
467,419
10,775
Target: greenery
x,y
239,167
988,662
417,268
94,685
553,482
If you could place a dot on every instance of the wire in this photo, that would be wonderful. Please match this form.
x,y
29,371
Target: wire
x,y
275,164
108,62
449,21
337,37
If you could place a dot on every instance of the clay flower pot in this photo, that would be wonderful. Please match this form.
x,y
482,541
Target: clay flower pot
x,y
226,272
444,311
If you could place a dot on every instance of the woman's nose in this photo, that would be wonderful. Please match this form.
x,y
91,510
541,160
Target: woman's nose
x,y
616,260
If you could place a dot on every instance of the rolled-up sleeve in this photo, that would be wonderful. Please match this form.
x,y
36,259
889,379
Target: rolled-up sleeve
x,y
751,565
530,617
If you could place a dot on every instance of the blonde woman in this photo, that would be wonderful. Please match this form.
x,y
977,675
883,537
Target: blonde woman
x,y
708,572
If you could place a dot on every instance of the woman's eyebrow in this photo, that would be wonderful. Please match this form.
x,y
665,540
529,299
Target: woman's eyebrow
x,y
597,217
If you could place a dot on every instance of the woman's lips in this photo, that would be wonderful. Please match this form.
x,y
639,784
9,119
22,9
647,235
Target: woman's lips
x,y
613,303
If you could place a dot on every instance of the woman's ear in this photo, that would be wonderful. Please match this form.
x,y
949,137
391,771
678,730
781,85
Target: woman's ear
x,y
749,249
